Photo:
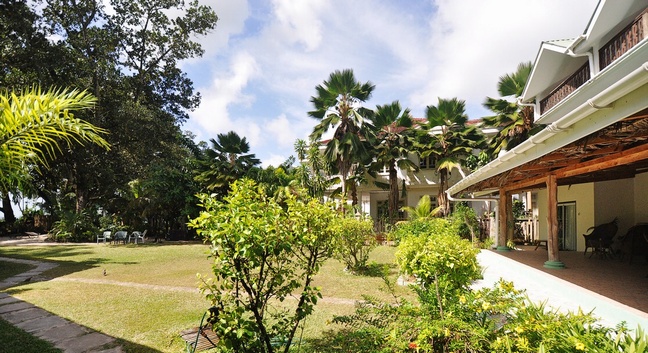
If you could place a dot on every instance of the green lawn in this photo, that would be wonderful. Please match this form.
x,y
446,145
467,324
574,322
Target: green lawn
x,y
149,294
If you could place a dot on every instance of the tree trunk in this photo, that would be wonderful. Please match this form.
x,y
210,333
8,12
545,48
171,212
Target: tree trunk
x,y
393,192
354,194
9,215
442,198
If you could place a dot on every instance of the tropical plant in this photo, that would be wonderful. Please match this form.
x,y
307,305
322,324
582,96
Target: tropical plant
x,y
423,209
263,252
514,121
34,126
338,105
448,140
226,161
312,172
392,145
355,239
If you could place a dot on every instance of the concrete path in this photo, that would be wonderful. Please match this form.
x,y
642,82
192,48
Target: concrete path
x,y
63,334
558,293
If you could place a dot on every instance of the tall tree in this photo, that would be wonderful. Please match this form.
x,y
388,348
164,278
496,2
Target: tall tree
x,y
393,143
226,161
338,104
128,57
514,121
448,141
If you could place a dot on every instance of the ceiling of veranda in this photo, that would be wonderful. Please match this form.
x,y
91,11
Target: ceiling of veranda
x,y
618,151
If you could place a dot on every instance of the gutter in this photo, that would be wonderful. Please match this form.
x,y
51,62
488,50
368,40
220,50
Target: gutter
x,y
603,99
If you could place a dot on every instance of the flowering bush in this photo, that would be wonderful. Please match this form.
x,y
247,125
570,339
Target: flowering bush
x,y
451,317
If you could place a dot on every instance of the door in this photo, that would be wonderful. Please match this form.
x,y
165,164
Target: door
x,y
567,226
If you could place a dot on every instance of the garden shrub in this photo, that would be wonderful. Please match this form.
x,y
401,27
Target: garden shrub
x,y
450,316
437,255
406,228
355,240
74,227
464,219
263,251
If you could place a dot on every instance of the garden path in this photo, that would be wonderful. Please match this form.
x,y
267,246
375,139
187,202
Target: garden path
x,y
561,294
63,334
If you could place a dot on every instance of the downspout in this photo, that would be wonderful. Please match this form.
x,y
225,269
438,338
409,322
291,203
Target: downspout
x,y
590,56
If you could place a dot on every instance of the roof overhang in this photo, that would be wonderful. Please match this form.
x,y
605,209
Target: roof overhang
x,y
590,109
552,66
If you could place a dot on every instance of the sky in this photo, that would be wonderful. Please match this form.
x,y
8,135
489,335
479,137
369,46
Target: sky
x,y
264,59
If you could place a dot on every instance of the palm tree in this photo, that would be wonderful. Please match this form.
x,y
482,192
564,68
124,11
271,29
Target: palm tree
x,y
33,124
515,121
392,145
312,170
448,141
338,105
226,161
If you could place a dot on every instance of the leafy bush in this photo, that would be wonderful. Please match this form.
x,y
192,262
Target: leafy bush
x,y
452,317
403,229
74,227
263,251
438,256
464,219
355,240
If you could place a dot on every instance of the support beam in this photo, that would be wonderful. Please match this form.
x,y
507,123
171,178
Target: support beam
x,y
552,224
505,217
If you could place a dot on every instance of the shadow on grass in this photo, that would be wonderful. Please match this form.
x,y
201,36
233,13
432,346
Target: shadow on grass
x,y
375,269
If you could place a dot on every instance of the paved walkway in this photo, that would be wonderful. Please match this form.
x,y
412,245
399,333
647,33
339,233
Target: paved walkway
x,y
560,294
63,334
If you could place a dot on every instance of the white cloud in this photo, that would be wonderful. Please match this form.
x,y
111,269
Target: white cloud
x,y
226,90
267,58
299,21
474,42
231,22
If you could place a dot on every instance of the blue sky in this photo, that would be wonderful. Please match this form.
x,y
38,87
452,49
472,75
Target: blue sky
x,y
264,59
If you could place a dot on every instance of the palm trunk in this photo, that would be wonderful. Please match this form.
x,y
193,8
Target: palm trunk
x,y
442,198
393,192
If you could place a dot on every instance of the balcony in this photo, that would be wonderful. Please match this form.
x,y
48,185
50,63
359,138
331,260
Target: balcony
x,y
568,86
620,44
626,39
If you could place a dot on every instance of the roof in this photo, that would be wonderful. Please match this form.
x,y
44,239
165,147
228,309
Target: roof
x,y
614,95
557,59
594,131
582,160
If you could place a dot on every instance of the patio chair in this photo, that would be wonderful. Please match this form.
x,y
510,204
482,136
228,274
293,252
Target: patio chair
x,y
601,237
201,337
121,236
137,236
103,236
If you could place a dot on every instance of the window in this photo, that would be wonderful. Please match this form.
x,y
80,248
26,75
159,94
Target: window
x,y
426,163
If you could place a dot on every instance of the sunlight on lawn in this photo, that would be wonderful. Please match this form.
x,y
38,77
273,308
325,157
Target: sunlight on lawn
x,y
149,293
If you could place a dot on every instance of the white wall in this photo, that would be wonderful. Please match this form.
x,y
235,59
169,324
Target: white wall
x,y
583,195
641,198
615,198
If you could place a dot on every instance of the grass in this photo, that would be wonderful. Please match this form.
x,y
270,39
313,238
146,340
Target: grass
x,y
10,269
149,294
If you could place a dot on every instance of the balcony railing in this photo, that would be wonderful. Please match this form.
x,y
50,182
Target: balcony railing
x,y
563,90
626,39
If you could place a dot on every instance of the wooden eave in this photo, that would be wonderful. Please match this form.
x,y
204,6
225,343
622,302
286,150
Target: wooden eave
x,y
618,151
